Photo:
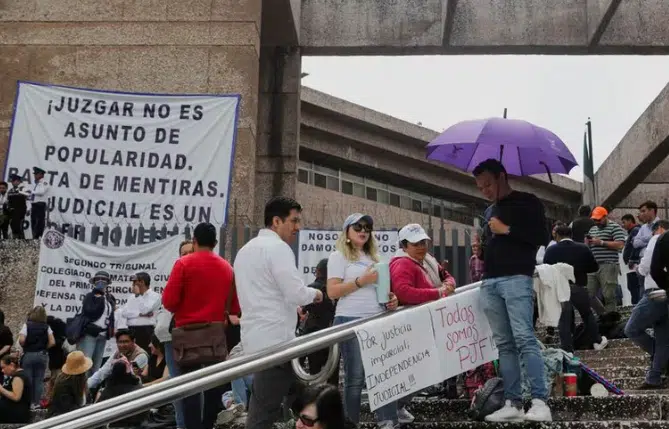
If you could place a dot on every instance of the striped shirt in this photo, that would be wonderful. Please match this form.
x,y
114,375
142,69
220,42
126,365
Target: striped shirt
x,y
611,232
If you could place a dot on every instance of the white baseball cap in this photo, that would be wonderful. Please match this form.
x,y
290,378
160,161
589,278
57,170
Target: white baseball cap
x,y
413,233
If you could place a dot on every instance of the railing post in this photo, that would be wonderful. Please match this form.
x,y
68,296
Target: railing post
x,y
468,253
442,234
455,263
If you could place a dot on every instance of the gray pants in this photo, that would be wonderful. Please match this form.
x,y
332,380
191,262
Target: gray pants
x,y
270,388
606,279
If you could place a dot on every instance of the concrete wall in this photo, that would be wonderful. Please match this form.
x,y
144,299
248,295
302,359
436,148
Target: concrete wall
x,y
327,208
429,27
18,275
170,46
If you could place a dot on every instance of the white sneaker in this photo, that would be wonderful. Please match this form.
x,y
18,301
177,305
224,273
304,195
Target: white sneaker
x,y
601,345
229,415
405,416
508,413
539,412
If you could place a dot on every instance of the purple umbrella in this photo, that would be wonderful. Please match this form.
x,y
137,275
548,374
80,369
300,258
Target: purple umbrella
x,y
523,148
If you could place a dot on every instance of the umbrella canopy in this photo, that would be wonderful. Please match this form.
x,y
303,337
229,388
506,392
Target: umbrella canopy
x,y
523,148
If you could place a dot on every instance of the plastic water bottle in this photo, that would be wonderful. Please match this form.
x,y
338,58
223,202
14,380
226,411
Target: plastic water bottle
x,y
383,282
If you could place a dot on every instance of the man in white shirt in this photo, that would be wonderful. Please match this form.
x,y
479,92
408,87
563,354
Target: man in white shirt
x,y
270,289
140,310
39,197
651,312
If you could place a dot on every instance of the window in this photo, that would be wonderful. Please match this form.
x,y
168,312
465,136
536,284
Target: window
x,y
371,194
359,190
346,187
382,196
326,170
417,205
405,202
426,207
394,200
303,175
332,183
320,180
436,210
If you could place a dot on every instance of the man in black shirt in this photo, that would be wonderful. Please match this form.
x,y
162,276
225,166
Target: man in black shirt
x,y
516,227
659,264
579,256
582,224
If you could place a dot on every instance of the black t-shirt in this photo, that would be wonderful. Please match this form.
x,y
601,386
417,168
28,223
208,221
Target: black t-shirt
x,y
515,253
6,338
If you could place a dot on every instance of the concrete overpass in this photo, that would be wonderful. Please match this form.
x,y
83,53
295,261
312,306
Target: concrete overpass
x,y
638,169
339,132
446,27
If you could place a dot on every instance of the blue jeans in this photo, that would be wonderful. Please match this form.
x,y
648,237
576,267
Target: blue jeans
x,y
651,314
508,304
34,365
354,380
173,369
93,348
241,387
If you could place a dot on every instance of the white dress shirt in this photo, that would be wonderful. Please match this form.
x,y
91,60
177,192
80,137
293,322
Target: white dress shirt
x,y
270,289
644,266
40,192
141,304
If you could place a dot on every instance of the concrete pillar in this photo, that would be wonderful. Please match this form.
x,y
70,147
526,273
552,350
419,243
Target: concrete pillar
x,y
168,46
278,124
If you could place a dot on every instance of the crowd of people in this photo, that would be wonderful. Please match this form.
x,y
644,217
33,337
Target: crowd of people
x,y
211,311
20,200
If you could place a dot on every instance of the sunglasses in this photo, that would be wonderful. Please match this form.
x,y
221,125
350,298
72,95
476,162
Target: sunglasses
x,y
308,421
358,227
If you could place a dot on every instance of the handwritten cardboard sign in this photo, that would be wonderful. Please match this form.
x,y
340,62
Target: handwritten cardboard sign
x,y
399,356
462,334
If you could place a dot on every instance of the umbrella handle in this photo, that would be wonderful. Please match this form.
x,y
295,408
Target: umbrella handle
x,y
550,177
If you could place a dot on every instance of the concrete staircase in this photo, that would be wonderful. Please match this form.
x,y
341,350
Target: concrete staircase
x,y
621,362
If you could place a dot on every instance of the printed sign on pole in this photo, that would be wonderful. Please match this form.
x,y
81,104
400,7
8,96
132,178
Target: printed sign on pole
x,y
124,158
399,356
462,333
317,244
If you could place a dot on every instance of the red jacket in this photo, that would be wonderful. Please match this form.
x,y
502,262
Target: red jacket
x,y
198,289
410,283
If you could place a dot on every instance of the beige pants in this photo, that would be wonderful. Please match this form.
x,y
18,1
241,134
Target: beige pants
x,y
606,279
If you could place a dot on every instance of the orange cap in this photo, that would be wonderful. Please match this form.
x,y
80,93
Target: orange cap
x,y
598,213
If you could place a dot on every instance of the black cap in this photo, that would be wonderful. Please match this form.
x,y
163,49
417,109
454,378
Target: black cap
x,y
101,275
37,170
141,276
13,177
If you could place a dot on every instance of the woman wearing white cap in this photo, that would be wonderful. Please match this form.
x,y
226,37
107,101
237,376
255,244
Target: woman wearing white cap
x,y
415,275
351,279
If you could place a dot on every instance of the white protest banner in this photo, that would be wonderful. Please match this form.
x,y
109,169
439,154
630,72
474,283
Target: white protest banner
x,y
66,266
462,333
317,244
399,356
123,158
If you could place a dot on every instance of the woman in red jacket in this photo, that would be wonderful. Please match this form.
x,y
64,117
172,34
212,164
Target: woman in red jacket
x,y
415,276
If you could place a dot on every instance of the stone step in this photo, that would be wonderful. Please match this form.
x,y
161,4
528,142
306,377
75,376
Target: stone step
x,y
617,424
637,407
610,352
598,363
622,372
628,383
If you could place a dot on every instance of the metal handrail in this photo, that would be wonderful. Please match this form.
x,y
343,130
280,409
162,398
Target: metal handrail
x,y
186,385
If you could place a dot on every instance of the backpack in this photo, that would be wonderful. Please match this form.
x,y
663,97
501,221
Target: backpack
x,y
477,377
487,399
75,328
